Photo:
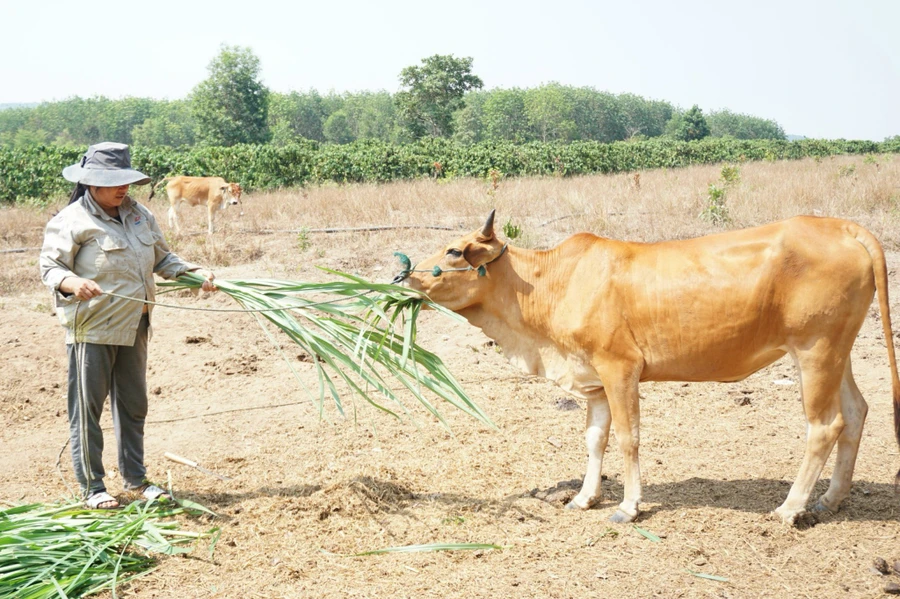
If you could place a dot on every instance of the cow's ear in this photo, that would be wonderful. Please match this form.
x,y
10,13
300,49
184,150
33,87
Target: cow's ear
x,y
487,232
224,188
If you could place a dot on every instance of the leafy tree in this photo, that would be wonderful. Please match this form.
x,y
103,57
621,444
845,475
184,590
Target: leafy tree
x,y
171,124
11,121
725,123
688,126
468,121
337,128
231,106
372,115
26,138
596,115
433,92
505,118
549,112
296,115
118,118
643,117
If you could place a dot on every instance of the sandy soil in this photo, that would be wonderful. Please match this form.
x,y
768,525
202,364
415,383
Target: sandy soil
x,y
716,459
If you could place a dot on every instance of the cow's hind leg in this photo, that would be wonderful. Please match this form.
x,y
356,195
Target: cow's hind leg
x,y
854,410
820,379
596,436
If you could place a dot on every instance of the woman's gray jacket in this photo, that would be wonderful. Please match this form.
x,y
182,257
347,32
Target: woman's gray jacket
x,y
83,241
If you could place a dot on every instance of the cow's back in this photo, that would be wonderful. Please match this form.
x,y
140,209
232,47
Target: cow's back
x,y
194,190
723,306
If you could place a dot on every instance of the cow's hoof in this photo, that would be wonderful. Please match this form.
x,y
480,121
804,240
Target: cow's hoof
x,y
573,505
800,520
621,517
822,509
805,520
786,516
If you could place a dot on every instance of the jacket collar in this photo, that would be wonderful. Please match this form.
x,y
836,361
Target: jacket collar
x,y
94,208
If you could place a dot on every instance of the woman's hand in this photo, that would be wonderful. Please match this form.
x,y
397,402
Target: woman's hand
x,y
83,289
208,284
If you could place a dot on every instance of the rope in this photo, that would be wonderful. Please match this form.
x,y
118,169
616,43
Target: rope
x,y
250,408
437,270
326,230
244,310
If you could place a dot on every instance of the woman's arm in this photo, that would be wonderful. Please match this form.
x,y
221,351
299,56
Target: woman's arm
x,y
57,260
169,265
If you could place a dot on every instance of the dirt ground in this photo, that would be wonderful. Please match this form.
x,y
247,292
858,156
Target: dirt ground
x,y
307,491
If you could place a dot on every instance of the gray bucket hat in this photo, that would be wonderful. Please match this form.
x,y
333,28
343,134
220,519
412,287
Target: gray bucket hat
x,y
107,164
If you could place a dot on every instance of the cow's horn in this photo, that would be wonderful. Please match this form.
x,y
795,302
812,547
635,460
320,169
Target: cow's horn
x,y
488,230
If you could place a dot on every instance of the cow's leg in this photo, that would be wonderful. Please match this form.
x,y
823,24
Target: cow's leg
x,y
854,410
624,407
173,218
596,436
210,213
821,373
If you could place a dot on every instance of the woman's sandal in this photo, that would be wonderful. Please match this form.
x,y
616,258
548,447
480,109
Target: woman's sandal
x,y
101,500
150,492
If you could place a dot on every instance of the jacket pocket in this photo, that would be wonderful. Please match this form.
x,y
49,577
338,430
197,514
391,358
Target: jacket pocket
x,y
147,237
147,250
114,254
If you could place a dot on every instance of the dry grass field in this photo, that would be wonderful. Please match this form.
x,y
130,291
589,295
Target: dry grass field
x,y
307,491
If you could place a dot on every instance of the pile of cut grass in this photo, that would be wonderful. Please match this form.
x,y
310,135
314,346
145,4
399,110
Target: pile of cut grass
x,y
365,333
69,551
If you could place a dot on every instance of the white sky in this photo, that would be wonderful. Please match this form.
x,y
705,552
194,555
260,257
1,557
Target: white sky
x,y
820,68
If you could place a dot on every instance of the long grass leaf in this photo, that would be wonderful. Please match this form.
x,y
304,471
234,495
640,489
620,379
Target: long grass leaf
x,y
706,576
647,534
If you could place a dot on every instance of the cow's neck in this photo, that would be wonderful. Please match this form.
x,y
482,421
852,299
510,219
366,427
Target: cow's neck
x,y
522,303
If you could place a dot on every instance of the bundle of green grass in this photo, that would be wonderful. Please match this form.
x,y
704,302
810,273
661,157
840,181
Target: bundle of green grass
x,y
69,551
365,333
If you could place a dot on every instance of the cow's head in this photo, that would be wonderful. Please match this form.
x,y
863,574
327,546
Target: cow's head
x,y
231,194
459,275
235,192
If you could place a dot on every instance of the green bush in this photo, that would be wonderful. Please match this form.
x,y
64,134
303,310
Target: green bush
x,y
34,173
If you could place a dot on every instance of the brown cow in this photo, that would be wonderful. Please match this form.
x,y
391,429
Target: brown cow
x,y
214,192
599,316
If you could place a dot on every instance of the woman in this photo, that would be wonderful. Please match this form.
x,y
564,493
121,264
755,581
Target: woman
x,y
104,241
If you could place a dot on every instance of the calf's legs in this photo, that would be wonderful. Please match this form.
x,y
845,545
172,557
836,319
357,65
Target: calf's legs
x,y
173,218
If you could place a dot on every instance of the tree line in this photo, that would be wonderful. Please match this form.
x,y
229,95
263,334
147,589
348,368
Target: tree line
x,y
439,98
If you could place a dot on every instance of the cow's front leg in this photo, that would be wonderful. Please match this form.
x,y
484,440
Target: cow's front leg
x,y
211,215
596,436
626,419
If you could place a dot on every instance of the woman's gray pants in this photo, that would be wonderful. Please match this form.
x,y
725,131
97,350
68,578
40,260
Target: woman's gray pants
x,y
120,372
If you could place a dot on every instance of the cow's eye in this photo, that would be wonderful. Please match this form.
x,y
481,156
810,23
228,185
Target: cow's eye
x,y
454,253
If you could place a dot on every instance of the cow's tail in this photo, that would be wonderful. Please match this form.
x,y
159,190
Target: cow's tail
x,y
881,286
155,186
